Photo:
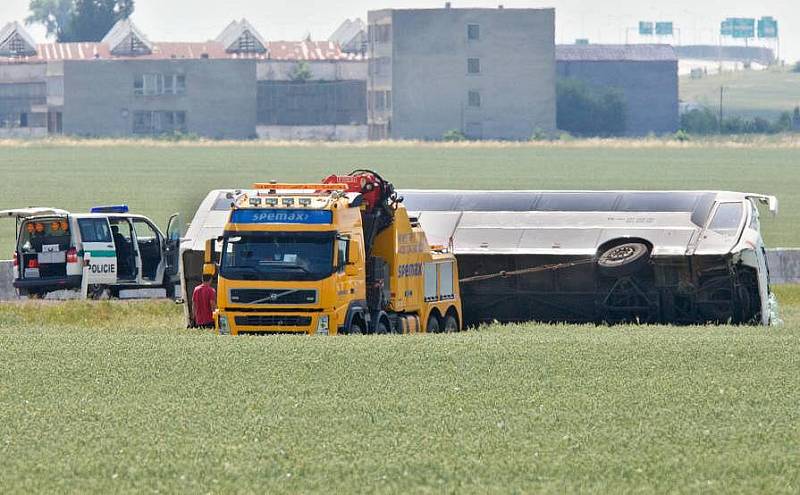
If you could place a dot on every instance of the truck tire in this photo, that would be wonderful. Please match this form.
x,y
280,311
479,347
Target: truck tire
x,y
433,325
355,328
450,324
381,328
623,259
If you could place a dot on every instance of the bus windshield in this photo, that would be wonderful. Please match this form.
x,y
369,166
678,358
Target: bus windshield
x,y
277,256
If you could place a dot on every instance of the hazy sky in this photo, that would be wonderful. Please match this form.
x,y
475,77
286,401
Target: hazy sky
x,y
698,20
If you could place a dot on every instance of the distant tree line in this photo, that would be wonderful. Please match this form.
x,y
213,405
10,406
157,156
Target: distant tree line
x,y
78,20
704,121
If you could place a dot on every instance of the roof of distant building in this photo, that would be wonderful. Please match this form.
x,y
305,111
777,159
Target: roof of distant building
x,y
615,53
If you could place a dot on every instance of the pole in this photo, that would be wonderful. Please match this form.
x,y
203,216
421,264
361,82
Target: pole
x,y
719,125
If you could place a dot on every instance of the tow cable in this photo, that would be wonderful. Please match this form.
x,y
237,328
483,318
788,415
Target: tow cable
x,y
525,271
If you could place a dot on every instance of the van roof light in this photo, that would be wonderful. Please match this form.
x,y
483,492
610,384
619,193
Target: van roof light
x,y
110,209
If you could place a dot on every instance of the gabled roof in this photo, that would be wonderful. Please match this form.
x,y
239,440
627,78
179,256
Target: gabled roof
x,y
615,53
15,41
242,37
125,38
348,31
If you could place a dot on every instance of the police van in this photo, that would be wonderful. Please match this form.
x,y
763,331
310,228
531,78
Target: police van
x,y
119,250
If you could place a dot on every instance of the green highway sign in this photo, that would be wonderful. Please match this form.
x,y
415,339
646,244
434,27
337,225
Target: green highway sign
x,y
738,27
767,28
582,41
664,28
646,28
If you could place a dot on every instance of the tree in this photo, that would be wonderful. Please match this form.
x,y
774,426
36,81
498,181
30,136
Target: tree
x,y
54,15
78,20
586,111
301,72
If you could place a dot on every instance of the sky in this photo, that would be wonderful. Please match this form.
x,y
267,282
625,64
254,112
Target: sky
x,y
601,22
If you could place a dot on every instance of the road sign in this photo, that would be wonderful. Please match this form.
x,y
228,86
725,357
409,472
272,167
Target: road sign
x,y
744,28
664,28
645,28
726,28
582,41
767,28
738,27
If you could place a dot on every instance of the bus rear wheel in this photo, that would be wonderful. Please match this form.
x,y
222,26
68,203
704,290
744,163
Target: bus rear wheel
x,y
433,325
450,324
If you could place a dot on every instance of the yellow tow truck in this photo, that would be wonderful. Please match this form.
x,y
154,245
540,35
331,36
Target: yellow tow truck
x,y
341,256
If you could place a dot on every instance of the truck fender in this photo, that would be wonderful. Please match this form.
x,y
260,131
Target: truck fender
x,y
356,308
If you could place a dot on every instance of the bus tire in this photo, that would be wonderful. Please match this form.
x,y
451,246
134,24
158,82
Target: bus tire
x,y
623,259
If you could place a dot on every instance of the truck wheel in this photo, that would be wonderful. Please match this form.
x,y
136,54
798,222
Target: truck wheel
x,y
623,259
382,329
433,324
450,324
355,329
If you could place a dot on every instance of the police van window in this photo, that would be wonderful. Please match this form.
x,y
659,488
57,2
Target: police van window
x,y
94,230
727,218
144,231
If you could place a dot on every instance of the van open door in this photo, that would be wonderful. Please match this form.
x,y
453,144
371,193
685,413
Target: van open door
x,y
172,246
99,248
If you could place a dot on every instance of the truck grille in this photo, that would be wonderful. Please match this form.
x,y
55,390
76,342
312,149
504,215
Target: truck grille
x,y
273,321
273,296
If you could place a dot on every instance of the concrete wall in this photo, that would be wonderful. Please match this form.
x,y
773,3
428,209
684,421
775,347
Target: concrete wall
x,y
650,90
430,83
7,291
321,70
313,133
219,101
758,54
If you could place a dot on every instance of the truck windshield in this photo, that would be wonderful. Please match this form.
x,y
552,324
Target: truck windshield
x,y
277,256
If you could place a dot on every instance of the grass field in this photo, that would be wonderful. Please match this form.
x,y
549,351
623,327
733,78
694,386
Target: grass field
x,y
158,179
114,397
747,94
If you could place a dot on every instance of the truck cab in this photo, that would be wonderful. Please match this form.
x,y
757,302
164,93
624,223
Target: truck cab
x,y
118,249
325,259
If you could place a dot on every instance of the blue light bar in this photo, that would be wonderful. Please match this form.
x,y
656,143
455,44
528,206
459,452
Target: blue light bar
x,y
110,209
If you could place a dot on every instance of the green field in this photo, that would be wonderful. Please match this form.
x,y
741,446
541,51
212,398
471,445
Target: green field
x,y
114,397
747,94
118,397
157,180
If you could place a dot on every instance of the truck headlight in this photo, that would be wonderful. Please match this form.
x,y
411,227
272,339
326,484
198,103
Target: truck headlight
x,y
322,325
224,329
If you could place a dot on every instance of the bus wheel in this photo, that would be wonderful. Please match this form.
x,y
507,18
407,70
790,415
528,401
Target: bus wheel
x,y
381,328
450,324
433,324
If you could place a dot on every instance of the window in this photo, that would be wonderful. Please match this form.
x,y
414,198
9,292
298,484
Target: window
x,y
94,230
473,65
380,33
381,100
473,32
446,284
474,99
159,122
727,218
159,84
341,253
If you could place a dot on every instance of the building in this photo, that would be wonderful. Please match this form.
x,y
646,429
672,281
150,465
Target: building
x,y
351,36
647,76
237,86
489,73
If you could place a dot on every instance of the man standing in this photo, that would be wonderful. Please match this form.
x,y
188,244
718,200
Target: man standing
x,y
204,302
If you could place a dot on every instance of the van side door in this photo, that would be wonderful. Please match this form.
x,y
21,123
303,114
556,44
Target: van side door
x,y
98,247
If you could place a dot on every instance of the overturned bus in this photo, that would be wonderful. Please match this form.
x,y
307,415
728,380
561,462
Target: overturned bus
x,y
603,256
579,256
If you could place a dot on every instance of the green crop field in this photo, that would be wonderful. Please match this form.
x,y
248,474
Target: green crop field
x,y
747,94
157,179
112,397
119,397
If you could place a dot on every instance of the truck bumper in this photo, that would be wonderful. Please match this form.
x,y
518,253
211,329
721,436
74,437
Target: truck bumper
x,y
68,282
249,323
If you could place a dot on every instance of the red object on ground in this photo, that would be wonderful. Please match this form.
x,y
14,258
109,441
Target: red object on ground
x,y
364,182
203,302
